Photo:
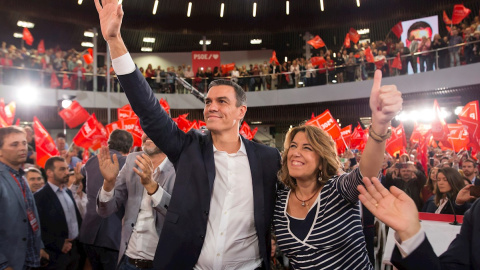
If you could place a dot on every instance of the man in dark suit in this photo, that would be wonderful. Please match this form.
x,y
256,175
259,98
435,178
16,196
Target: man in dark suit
x,y
101,236
59,216
221,207
413,250
468,168
19,222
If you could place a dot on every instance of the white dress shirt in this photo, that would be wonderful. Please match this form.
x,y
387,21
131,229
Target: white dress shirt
x,y
144,239
231,240
68,209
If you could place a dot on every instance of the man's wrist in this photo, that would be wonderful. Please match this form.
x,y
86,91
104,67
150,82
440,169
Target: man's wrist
x,y
107,186
410,232
151,187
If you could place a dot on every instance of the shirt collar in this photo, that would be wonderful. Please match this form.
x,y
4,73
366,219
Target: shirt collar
x,y
242,149
55,187
161,166
20,172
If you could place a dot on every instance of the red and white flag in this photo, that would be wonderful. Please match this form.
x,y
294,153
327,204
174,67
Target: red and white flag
x,y
326,122
44,144
397,29
74,115
316,42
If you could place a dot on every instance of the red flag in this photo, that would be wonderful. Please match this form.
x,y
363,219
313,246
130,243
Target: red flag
x,y
10,112
125,112
90,51
318,61
369,55
316,42
201,124
44,144
27,36
88,58
458,137
85,156
132,125
227,68
274,58
343,142
91,134
165,105
439,127
54,82
397,62
446,20
74,115
41,46
326,122
380,63
183,123
346,42
449,29
397,29
354,35
422,153
460,12
359,138
470,117
66,82
246,132
419,133
397,143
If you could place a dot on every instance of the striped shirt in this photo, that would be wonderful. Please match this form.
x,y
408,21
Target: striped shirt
x,y
335,240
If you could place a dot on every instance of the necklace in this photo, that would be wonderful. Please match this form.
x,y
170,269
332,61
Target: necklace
x,y
305,202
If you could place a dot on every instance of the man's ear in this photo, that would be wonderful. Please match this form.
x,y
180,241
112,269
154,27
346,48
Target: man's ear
x,y
243,111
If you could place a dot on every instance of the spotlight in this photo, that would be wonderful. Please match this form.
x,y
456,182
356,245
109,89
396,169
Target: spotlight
x,y
27,94
66,103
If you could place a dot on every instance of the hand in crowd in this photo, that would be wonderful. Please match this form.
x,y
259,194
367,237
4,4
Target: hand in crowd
x,y
44,254
395,208
110,15
464,196
145,165
385,101
67,246
109,168
78,175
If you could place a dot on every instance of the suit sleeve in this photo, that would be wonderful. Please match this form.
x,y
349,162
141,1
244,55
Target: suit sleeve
x,y
457,255
156,123
105,209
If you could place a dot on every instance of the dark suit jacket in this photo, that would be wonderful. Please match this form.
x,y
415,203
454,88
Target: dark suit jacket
x,y
185,225
461,254
53,222
95,230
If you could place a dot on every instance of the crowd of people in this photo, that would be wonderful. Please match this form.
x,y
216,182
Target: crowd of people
x,y
213,199
420,53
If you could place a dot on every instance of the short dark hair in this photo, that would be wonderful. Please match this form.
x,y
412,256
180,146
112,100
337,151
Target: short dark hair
x,y
33,169
5,131
471,161
239,93
50,164
120,140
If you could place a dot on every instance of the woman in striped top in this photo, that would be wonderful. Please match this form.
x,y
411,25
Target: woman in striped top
x,y
317,220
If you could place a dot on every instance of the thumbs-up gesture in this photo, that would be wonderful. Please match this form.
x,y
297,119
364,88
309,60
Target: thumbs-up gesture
x,y
385,101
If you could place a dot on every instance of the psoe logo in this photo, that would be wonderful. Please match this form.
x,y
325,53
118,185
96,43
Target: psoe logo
x,y
205,56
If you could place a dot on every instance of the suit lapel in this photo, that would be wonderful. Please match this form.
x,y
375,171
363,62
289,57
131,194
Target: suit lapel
x,y
55,201
257,183
209,160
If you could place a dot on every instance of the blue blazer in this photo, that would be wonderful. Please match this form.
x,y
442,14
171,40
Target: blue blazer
x,y
14,222
191,153
54,223
461,254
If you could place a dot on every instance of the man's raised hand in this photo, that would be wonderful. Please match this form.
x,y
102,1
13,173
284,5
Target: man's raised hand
x,y
109,168
110,14
395,208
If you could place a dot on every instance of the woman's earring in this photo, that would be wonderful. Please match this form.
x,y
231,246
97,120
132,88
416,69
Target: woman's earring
x,y
320,176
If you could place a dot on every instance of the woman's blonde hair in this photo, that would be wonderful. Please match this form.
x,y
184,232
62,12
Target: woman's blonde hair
x,y
322,144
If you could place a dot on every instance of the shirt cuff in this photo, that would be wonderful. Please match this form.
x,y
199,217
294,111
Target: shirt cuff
x,y
157,196
408,246
123,65
106,196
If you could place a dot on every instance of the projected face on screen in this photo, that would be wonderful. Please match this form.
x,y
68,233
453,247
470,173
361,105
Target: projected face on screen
x,y
418,30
